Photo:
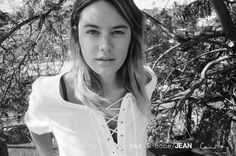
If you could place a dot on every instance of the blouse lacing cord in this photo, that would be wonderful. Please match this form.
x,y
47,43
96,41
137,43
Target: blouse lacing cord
x,y
114,118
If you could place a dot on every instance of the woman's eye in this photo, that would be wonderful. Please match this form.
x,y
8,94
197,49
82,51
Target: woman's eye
x,y
92,32
118,33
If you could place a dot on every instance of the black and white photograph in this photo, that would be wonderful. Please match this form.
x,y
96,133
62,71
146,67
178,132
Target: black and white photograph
x,y
117,77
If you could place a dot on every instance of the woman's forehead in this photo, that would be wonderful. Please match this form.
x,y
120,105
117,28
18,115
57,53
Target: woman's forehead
x,y
102,13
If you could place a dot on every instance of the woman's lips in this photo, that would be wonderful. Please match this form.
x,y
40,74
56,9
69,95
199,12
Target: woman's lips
x,y
105,60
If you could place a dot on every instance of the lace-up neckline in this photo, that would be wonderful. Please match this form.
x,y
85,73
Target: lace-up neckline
x,y
112,121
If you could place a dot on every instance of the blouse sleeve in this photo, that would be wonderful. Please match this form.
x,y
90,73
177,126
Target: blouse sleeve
x,y
36,117
150,86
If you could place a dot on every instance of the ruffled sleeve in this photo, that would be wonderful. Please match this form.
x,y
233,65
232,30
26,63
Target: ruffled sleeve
x,y
151,85
36,117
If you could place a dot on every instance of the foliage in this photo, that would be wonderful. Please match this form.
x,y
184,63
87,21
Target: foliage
x,y
195,65
33,43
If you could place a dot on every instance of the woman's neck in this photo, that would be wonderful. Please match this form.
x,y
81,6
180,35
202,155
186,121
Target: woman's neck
x,y
109,84
112,88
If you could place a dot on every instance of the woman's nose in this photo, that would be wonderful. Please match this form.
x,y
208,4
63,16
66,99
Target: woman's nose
x,y
105,44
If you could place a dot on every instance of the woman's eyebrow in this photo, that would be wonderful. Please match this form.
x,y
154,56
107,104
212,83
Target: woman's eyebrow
x,y
91,25
120,27
114,27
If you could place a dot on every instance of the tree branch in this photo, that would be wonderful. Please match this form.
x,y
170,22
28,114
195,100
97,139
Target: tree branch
x,y
189,91
225,18
213,51
169,50
56,7
191,42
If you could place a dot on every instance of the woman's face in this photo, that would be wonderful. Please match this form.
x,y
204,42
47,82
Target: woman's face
x,y
104,38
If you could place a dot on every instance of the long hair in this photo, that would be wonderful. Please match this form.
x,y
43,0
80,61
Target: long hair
x,y
132,73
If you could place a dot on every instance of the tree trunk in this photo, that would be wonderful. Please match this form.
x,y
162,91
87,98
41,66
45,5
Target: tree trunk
x,y
3,148
225,18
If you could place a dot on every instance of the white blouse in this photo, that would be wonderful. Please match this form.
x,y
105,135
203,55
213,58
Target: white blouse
x,y
82,131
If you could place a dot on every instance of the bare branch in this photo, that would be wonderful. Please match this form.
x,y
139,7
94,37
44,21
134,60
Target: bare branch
x,y
203,73
210,52
169,50
189,91
191,42
54,8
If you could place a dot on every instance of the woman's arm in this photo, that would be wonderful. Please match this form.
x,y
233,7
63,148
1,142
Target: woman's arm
x,y
43,144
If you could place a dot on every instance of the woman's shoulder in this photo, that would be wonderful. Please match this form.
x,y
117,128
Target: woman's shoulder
x,y
45,83
45,80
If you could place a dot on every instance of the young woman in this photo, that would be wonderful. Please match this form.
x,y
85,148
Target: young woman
x,y
100,106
